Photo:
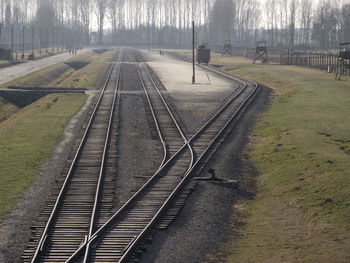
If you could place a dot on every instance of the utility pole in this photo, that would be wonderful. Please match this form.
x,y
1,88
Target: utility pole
x,y
23,41
12,42
57,39
40,41
33,42
53,41
47,40
193,59
149,38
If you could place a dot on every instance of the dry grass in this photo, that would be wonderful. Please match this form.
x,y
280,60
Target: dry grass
x,y
301,149
88,75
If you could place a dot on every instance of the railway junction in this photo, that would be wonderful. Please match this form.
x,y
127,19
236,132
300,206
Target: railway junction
x,y
146,136
150,166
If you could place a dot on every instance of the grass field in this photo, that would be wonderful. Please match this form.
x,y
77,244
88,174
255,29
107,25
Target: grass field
x,y
6,109
29,135
27,140
300,148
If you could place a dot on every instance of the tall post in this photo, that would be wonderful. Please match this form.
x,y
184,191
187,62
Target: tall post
x,y
23,42
149,38
12,42
193,59
57,39
53,40
32,41
47,40
63,37
40,38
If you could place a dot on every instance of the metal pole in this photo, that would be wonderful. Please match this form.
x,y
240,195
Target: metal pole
x,y
149,38
46,40
23,43
53,41
57,39
193,59
33,42
40,41
12,41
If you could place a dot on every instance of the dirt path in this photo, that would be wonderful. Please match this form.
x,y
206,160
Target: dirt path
x,y
13,72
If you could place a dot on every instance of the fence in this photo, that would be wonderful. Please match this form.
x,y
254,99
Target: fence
x,y
313,60
310,59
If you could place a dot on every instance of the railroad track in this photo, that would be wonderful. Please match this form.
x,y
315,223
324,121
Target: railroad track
x,y
79,206
67,228
172,139
124,235
80,228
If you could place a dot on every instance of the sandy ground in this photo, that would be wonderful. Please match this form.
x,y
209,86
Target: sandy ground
x,y
13,72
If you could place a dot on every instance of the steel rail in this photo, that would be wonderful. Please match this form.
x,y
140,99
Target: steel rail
x,y
69,174
183,182
136,240
178,189
87,250
154,114
162,98
104,155
164,165
166,106
126,205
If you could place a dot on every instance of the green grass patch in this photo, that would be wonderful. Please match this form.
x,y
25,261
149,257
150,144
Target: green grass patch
x,y
27,140
301,148
29,135
6,109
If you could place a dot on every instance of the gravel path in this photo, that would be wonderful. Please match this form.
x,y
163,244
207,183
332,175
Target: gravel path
x,y
140,152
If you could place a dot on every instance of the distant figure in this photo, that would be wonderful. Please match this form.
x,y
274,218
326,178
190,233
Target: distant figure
x,y
160,52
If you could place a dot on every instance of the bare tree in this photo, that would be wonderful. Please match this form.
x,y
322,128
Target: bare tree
x,y
293,5
85,13
101,6
306,19
270,11
345,23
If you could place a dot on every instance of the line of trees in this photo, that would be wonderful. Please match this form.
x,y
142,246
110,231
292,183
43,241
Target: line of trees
x,y
286,23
